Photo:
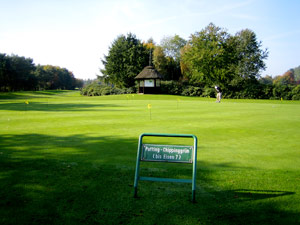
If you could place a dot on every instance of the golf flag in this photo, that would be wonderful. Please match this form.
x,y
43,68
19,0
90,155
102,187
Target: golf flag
x,y
26,102
149,106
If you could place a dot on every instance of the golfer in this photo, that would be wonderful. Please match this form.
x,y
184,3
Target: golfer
x,y
219,93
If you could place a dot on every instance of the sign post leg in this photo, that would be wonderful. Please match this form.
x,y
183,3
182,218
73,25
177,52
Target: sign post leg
x,y
194,171
135,192
137,168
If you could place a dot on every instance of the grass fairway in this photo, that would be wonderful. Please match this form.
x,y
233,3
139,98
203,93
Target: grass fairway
x,y
68,159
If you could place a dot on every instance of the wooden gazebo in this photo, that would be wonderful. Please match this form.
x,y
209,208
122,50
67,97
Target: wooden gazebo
x,y
149,80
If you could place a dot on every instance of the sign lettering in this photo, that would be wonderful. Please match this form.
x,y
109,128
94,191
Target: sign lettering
x,y
167,153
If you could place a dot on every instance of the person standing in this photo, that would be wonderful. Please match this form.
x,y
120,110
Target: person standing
x,y
219,93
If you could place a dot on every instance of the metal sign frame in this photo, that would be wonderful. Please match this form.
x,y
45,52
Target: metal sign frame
x,y
139,158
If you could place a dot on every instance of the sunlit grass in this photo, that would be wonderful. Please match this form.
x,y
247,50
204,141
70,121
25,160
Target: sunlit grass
x,y
69,159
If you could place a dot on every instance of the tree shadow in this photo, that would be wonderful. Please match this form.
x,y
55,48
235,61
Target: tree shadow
x,y
55,107
80,179
30,94
250,195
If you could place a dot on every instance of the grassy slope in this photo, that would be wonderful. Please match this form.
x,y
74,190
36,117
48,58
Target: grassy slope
x,y
68,159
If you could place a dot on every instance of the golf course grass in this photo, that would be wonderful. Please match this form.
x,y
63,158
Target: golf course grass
x,y
70,159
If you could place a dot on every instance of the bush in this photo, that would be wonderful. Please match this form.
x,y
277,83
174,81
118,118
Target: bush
x,y
245,89
171,87
209,92
191,91
296,97
250,89
296,93
267,91
98,89
282,91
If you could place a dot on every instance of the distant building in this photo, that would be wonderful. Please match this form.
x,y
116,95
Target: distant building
x,y
149,81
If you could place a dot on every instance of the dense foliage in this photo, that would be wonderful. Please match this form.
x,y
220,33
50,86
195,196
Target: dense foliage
x,y
20,74
97,88
247,89
167,57
212,56
193,67
126,58
16,73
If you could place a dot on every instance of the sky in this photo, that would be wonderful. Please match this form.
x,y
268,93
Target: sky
x,y
76,34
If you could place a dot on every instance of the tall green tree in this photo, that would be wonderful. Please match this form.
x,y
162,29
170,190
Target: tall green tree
x,y
250,55
3,72
159,60
21,72
166,57
150,46
54,77
205,57
172,45
16,73
212,56
297,73
126,58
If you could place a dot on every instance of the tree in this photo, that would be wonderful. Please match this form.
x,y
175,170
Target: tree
x,y
166,57
22,71
3,72
160,60
205,57
54,77
250,56
150,46
286,79
16,73
212,56
126,58
267,80
172,45
297,73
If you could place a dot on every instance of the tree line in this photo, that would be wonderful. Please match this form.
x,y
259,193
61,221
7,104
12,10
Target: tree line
x,y
18,73
209,57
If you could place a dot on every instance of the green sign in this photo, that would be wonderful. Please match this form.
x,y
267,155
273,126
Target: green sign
x,y
167,153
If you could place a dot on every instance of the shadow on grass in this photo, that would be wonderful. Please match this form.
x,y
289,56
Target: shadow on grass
x,y
79,179
53,107
30,94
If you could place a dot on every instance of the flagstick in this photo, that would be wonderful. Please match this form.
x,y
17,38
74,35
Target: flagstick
x,y
149,107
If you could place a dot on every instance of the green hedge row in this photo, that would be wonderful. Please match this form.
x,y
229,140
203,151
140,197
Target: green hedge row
x,y
243,90
98,89
251,89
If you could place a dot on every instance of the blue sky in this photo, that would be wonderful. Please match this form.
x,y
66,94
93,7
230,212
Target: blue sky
x,y
75,34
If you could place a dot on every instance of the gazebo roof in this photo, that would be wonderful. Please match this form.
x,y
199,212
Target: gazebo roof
x,y
149,72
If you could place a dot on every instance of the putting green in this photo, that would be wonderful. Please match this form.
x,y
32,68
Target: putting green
x,y
70,159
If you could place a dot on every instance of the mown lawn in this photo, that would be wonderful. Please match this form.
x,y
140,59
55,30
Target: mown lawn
x,y
68,159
